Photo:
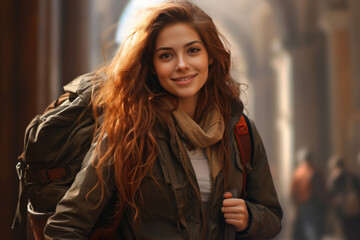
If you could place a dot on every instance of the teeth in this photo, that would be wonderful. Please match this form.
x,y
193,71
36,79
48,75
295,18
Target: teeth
x,y
183,79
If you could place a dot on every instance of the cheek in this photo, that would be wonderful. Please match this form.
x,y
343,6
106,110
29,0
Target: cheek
x,y
205,68
203,64
162,70
162,74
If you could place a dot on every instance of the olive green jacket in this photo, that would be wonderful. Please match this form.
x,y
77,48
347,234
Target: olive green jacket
x,y
170,209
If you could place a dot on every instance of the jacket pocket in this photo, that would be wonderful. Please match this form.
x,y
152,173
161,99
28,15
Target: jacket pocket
x,y
157,194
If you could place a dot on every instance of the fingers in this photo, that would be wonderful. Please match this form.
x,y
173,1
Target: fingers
x,y
240,224
235,212
233,205
234,216
233,202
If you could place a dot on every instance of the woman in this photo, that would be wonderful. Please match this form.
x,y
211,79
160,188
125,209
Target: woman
x,y
166,157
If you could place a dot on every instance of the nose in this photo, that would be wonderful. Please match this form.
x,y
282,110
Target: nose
x,y
182,64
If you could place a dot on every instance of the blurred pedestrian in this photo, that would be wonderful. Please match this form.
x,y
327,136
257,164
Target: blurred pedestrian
x,y
308,193
345,198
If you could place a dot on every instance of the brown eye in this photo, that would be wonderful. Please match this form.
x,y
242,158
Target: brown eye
x,y
165,55
194,50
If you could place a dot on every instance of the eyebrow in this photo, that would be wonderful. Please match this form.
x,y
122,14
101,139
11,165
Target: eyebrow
x,y
186,45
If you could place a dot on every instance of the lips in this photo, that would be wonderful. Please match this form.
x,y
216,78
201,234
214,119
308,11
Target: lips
x,y
183,79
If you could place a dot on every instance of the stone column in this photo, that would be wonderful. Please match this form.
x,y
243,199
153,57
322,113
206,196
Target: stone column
x,y
309,91
354,129
337,23
48,61
264,113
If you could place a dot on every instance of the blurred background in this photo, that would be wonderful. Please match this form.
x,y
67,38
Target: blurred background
x,y
300,60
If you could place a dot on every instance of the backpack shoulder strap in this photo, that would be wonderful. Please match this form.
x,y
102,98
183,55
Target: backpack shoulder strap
x,y
245,142
244,139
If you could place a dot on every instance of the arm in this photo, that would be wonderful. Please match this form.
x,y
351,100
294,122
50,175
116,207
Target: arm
x,y
76,214
263,213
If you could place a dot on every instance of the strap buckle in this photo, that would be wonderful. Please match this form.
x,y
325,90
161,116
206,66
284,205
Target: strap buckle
x,y
242,129
21,169
47,175
248,167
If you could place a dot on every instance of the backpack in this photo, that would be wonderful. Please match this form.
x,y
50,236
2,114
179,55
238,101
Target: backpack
x,y
55,144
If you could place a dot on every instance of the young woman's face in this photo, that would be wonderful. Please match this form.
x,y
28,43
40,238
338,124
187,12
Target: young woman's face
x,y
181,62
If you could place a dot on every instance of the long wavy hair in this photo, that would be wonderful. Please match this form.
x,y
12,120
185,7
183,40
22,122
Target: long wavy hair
x,y
130,98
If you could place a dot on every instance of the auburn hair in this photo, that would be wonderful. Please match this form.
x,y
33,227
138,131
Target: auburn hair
x,y
130,97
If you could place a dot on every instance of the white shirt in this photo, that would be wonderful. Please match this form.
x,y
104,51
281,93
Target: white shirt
x,y
201,167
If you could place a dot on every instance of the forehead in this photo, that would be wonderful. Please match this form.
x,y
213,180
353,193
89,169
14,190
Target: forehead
x,y
176,35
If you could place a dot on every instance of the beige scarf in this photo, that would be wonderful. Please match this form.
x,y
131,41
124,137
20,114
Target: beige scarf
x,y
203,135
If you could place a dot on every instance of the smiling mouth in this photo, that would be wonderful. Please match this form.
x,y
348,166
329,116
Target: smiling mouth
x,y
184,79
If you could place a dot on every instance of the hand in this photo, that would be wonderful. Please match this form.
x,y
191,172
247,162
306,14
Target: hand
x,y
235,212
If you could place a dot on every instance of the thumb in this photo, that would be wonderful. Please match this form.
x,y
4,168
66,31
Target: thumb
x,y
227,195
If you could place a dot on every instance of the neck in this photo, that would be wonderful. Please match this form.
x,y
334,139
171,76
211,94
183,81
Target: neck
x,y
188,106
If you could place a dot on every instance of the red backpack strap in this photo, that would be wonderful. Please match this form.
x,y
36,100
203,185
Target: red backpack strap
x,y
244,139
